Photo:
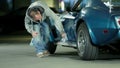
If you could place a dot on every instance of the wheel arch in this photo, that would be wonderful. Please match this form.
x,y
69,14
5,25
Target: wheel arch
x,y
92,37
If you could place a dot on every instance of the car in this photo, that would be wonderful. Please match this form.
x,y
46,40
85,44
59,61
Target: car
x,y
12,21
92,27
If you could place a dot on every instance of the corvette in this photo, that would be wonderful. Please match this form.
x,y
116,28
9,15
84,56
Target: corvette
x,y
92,27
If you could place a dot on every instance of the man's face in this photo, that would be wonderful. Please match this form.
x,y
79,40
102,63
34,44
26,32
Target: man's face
x,y
36,16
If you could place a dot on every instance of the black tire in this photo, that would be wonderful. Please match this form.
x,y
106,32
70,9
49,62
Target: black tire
x,y
51,47
86,50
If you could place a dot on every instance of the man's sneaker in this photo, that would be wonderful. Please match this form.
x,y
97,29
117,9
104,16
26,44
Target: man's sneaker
x,y
40,55
46,53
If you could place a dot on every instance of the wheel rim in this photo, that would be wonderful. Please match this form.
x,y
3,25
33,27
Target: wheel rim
x,y
81,43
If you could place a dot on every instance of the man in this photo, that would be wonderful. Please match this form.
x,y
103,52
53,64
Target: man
x,y
36,25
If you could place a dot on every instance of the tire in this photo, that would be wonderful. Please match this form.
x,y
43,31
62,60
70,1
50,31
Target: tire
x,y
51,47
85,49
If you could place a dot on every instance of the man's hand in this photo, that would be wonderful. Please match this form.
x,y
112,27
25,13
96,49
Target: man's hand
x,y
63,35
34,34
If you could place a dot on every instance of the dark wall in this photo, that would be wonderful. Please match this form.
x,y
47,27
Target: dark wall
x,y
21,3
8,5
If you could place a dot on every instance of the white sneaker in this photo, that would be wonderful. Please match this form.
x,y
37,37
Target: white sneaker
x,y
46,53
40,54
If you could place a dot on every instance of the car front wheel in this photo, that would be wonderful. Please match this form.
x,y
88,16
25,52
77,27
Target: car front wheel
x,y
86,50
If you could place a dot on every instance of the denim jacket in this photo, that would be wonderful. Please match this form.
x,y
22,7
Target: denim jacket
x,y
48,12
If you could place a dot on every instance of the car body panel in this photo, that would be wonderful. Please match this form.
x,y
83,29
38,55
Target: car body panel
x,y
100,21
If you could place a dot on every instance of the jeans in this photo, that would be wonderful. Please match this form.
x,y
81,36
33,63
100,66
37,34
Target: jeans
x,y
41,40
69,29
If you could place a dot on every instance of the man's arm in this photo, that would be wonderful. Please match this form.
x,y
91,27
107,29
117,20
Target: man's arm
x,y
28,25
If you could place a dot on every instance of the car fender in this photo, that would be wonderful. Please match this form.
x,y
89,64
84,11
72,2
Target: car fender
x,y
97,24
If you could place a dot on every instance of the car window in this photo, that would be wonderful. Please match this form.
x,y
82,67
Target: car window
x,y
113,5
115,2
111,2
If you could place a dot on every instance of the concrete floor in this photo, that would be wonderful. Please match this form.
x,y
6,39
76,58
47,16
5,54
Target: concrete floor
x,y
15,52
21,55
14,55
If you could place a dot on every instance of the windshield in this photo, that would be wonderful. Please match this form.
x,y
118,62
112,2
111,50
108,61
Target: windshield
x,y
111,2
114,5
115,2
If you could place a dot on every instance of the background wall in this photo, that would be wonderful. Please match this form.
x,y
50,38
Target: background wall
x,y
10,5
20,3
52,3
